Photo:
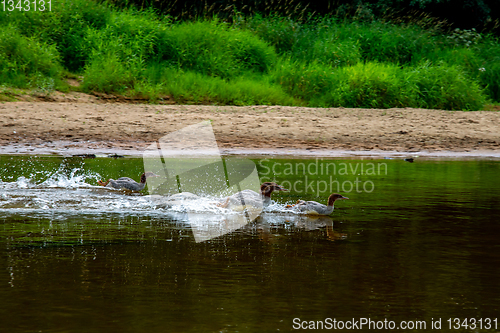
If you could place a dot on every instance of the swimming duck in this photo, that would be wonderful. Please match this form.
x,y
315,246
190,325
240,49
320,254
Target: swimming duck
x,y
315,208
126,183
253,198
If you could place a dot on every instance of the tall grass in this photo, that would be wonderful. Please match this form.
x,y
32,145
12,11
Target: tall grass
x,y
26,62
474,61
381,85
214,48
322,61
119,57
196,88
65,27
337,42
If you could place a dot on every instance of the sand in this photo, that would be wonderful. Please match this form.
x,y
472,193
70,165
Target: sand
x,y
84,123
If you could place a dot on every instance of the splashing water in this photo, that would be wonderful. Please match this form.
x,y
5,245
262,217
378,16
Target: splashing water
x,y
69,191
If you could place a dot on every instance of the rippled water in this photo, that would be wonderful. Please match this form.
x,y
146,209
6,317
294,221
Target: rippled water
x,y
422,245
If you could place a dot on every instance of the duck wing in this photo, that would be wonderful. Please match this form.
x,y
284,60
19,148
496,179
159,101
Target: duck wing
x,y
245,198
126,179
304,205
313,208
126,184
246,195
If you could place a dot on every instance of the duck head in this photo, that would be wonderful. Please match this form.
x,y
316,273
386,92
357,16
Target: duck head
x,y
269,187
333,197
273,185
148,175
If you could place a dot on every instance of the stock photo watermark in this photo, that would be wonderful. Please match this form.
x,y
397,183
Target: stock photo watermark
x,y
387,324
188,166
322,176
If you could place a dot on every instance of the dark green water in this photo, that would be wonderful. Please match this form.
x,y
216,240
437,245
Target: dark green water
x,y
421,244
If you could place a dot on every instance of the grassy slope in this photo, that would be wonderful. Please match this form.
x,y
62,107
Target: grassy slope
x,y
255,60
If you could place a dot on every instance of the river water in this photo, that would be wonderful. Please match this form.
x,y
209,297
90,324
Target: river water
x,y
417,244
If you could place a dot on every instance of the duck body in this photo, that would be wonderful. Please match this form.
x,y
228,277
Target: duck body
x,y
245,198
126,183
316,208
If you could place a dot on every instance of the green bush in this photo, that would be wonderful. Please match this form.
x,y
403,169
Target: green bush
x,y
305,81
445,87
479,60
212,48
345,42
487,68
384,42
335,52
380,85
191,87
118,53
371,85
285,34
108,73
65,27
27,63
321,61
489,76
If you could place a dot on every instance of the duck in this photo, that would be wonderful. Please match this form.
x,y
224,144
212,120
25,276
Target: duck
x,y
316,208
126,183
252,198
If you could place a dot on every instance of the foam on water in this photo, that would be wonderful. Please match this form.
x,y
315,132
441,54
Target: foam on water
x,y
64,193
73,180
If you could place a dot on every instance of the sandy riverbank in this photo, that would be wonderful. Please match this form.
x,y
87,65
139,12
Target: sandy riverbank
x,y
88,124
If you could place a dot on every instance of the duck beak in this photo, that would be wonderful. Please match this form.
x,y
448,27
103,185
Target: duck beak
x,y
281,188
344,198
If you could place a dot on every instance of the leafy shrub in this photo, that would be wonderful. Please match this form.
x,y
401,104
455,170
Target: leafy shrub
x,y
212,48
335,52
464,37
191,87
118,53
321,61
384,42
23,59
487,69
108,73
65,27
285,34
445,87
305,81
371,85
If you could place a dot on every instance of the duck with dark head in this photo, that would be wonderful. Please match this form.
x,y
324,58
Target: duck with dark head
x,y
315,208
126,183
252,198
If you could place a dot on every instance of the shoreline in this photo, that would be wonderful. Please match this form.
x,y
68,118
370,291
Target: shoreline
x,y
90,126
66,149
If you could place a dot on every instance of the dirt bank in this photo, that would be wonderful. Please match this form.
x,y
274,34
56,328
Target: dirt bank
x,y
90,123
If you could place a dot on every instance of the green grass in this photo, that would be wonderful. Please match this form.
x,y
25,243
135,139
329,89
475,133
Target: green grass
x,y
27,63
215,49
255,60
196,88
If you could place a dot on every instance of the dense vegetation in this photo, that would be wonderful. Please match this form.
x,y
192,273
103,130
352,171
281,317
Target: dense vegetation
x,y
318,61
464,14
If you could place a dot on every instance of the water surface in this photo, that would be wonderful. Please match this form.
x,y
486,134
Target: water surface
x,y
420,244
